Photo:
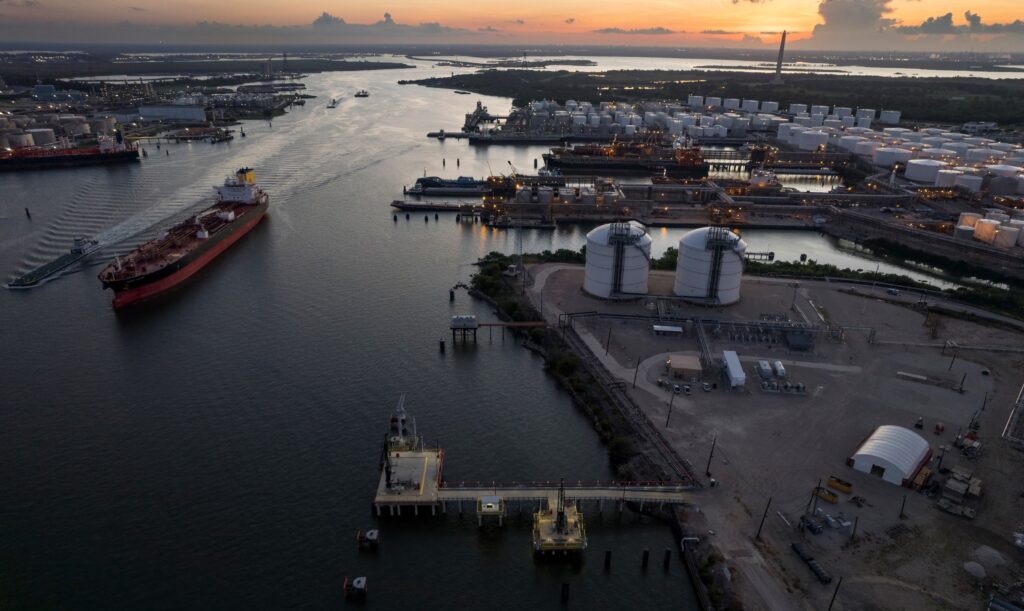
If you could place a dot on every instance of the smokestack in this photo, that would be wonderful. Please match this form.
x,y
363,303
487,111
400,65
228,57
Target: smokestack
x,y
778,65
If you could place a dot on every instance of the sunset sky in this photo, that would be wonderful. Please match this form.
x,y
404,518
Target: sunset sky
x,y
977,25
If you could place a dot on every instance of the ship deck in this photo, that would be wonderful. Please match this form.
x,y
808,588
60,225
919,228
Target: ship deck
x,y
178,242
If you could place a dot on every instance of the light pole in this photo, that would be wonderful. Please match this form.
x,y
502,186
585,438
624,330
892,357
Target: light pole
x,y
707,470
670,402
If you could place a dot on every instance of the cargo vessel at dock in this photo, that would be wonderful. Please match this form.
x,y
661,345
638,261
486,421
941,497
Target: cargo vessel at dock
x,y
107,151
161,264
638,158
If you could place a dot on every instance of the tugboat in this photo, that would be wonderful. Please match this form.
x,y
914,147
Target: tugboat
x,y
161,264
362,93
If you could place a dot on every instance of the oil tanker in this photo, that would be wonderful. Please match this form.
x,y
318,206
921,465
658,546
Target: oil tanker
x,y
107,151
165,262
637,158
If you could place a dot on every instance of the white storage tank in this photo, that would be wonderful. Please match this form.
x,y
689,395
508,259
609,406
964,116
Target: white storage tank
x,y
769,107
812,140
969,219
997,169
998,216
751,105
731,103
842,111
20,140
849,122
985,230
602,245
889,117
1007,236
849,143
984,155
946,154
886,157
796,109
42,135
695,101
865,113
923,170
697,256
818,109
1006,147
712,101
866,148
969,182
864,122
946,178
963,232
784,128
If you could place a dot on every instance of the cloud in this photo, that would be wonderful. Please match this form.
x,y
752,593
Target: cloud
x,y
943,25
327,19
518,21
719,32
488,29
639,31
24,3
571,20
139,9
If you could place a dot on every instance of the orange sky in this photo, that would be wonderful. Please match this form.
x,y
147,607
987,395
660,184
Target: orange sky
x,y
524,21
681,15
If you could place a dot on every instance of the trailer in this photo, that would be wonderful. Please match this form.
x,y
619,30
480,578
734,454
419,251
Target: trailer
x,y
733,368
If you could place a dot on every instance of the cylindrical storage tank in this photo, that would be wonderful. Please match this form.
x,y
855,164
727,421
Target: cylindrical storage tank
x,y
1007,236
849,143
42,135
769,107
923,170
969,219
726,120
833,123
794,134
712,101
997,169
731,103
795,109
998,216
595,120
1006,147
946,178
984,155
721,131
849,121
842,111
933,142
783,133
812,140
818,109
866,148
630,130
751,105
695,100
889,117
864,122
817,119
696,260
969,182
946,154
886,157
865,113
963,232
3,141
960,148
1020,186
634,246
978,141
20,140
985,230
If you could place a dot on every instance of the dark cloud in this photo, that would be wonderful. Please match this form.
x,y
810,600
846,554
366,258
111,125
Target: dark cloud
x,y
571,20
139,9
28,3
327,19
519,21
488,29
943,25
641,31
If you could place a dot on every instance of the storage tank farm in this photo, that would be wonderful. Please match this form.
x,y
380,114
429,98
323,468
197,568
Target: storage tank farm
x,y
618,260
710,265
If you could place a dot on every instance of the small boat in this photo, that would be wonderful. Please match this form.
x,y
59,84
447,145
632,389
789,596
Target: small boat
x,y
362,93
462,92
81,249
333,103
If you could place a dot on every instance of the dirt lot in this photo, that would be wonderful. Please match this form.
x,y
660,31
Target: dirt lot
x,y
771,445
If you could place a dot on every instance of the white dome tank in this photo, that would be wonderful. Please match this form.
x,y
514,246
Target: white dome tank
x,y
812,140
969,219
866,148
849,143
923,170
697,260
984,155
985,230
42,135
963,232
796,109
887,157
1007,236
947,154
969,182
602,243
999,169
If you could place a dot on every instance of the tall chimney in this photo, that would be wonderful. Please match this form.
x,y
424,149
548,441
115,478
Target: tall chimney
x,y
778,65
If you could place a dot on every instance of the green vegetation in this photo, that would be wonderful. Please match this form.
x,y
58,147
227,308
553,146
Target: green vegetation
x,y
668,260
920,99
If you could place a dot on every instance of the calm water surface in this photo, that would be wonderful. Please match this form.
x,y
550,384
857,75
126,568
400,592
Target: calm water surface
x,y
218,448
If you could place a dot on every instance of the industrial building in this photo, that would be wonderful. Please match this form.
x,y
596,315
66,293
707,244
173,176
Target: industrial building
x,y
173,112
684,366
710,265
618,260
893,453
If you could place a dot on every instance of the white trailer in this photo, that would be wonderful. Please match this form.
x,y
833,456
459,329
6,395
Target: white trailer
x,y
737,377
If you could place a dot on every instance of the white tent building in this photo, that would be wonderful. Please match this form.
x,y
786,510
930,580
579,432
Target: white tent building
x,y
893,453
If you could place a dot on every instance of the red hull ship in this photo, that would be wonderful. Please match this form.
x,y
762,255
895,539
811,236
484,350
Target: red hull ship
x,y
161,264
